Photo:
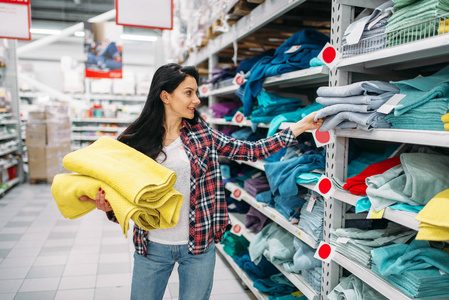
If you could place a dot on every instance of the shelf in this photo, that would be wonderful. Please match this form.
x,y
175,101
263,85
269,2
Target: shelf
x,y
403,218
109,97
370,278
11,184
249,283
294,278
420,137
311,76
90,138
10,165
403,56
258,17
8,151
98,128
245,123
273,214
8,122
8,136
103,120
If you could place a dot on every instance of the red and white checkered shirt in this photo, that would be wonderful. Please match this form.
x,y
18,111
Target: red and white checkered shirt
x,y
208,216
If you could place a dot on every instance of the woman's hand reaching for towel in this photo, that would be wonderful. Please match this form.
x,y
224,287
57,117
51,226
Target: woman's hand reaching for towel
x,y
306,123
100,201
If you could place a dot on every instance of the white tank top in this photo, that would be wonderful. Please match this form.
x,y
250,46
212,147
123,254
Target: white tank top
x,y
178,162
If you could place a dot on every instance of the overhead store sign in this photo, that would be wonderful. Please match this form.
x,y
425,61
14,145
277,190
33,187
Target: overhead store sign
x,y
145,13
15,20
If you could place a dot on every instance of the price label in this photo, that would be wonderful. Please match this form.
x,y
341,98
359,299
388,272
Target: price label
x,y
237,194
238,118
239,79
372,214
237,229
299,234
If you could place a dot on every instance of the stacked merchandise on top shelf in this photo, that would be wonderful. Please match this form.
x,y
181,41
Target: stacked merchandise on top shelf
x,y
394,23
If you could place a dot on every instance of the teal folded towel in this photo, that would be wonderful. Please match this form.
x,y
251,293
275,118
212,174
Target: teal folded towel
x,y
418,255
422,89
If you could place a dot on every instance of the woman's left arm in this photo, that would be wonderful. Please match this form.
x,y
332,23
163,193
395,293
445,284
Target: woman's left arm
x,y
235,149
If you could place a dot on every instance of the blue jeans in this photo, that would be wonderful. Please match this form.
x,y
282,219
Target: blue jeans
x,y
151,273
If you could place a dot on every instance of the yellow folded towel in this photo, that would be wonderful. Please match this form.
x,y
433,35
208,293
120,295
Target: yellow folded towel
x,y
67,188
132,174
434,219
136,186
444,27
446,126
445,118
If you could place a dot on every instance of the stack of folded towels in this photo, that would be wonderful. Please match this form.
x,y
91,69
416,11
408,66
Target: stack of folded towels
x,y
354,105
417,269
311,222
434,224
426,100
136,186
356,244
353,288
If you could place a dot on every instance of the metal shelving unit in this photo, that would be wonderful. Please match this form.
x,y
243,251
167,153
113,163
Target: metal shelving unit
x,y
273,214
428,51
295,279
12,141
258,17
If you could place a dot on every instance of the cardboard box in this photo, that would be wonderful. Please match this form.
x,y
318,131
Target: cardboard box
x,y
36,135
44,163
37,163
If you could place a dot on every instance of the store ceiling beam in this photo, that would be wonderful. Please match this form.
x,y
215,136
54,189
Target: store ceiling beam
x,y
63,5
65,32
51,92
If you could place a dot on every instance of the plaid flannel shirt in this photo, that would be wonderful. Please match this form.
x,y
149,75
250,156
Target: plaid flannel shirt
x,y
208,216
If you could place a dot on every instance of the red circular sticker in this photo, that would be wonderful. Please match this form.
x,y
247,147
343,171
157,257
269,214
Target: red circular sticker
x,y
237,228
239,80
329,54
322,136
239,118
204,89
324,251
237,193
325,186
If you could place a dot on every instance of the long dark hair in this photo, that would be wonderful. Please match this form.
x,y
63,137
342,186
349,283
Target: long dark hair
x,y
146,133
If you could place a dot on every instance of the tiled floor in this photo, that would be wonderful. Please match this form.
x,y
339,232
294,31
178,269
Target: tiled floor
x,y
45,256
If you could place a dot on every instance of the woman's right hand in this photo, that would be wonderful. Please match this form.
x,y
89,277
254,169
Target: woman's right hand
x,y
100,201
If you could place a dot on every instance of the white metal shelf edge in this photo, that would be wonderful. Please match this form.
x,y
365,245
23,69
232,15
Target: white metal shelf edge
x,y
315,74
370,278
420,137
296,279
249,283
102,120
273,214
403,218
10,183
8,151
422,49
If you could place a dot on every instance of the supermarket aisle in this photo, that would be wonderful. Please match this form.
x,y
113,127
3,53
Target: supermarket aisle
x,y
44,256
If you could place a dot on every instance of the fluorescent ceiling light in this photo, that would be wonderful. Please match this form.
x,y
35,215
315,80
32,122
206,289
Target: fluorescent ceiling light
x,y
79,33
134,37
45,31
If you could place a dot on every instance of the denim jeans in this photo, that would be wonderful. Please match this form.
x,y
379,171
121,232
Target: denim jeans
x,y
151,273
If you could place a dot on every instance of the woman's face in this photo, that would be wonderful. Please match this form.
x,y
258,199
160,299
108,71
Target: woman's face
x,y
183,100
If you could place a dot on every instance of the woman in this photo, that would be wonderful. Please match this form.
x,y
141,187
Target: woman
x,y
171,131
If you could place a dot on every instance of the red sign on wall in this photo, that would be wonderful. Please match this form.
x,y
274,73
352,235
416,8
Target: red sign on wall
x,y
15,19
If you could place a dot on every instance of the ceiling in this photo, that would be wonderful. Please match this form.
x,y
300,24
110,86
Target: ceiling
x,y
60,14
68,11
